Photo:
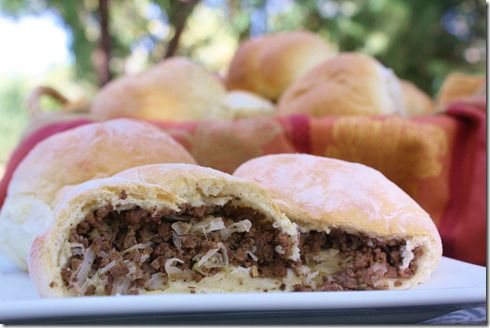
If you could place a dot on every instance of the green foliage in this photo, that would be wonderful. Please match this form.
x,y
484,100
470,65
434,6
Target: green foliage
x,y
13,114
412,37
128,24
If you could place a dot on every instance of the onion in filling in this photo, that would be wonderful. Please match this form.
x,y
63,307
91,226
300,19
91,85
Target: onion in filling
x,y
133,251
344,261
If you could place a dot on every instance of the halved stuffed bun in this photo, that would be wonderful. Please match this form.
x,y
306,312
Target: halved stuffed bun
x,y
358,230
165,228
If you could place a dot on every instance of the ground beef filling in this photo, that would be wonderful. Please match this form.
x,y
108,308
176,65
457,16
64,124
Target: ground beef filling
x,y
135,250
365,262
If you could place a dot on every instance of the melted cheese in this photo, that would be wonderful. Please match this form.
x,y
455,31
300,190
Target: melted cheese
x,y
237,279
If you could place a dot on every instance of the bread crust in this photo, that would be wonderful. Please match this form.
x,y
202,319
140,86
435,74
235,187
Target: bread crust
x,y
87,152
150,186
416,101
347,84
321,193
268,64
177,89
459,86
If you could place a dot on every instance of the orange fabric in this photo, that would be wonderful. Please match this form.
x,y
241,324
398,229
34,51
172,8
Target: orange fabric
x,y
414,154
439,160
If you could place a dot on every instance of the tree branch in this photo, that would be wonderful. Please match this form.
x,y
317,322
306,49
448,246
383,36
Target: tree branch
x,y
183,10
102,54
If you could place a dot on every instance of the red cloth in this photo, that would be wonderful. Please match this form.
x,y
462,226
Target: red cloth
x,y
439,160
463,226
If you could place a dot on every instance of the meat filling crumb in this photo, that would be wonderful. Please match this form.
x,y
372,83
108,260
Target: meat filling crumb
x,y
364,263
136,250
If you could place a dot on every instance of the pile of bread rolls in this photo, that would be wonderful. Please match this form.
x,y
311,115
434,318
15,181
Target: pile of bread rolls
x,y
275,74
176,90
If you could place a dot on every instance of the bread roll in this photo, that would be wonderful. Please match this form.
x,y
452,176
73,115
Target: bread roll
x,y
268,64
458,86
416,101
358,229
164,229
71,157
347,84
244,104
175,90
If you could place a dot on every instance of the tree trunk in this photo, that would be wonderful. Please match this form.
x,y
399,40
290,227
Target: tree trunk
x,y
102,55
182,11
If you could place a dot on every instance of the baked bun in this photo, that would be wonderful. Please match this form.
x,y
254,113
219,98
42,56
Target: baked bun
x,y
268,64
458,86
244,104
358,229
416,101
347,84
90,151
176,90
169,228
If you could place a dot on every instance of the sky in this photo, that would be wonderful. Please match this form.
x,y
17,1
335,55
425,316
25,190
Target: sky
x,y
32,44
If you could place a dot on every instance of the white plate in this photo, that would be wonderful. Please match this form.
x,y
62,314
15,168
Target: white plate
x,y
454,285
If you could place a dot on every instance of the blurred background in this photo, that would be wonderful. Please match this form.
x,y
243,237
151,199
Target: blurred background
x,y
78,46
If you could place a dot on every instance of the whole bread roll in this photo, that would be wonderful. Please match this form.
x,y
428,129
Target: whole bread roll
x,y
458,86
91,151
169,228
416,101
176,89
358,229
347,84
268,64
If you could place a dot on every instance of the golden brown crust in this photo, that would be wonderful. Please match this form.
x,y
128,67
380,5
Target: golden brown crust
x,y
151,186
347,84
320,193
268,64
176,89
91,151
416,101
458,86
